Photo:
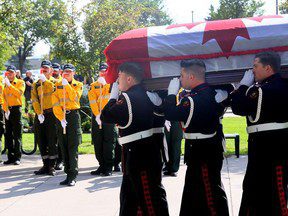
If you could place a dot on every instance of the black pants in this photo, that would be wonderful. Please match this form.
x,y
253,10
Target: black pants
x,y
174,138
69,143
265,188
265,181
118,153
46,137
60,155
203,191
13,134
2,126
104,141
141,189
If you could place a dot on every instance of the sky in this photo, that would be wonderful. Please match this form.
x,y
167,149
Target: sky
x,y
179,10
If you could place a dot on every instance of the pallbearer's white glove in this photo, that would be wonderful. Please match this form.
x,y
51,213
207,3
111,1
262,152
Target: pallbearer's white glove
x,y
102,80
41,118
42,77
174,86
63,123
248,78
7,114
154,98
114,91
64,82
7,82
221,95
167,125
98,120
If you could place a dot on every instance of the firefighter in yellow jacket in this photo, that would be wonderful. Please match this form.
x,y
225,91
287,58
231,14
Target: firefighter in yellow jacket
x,y
13,91
45,121
103,135
1,115
66,105
56,73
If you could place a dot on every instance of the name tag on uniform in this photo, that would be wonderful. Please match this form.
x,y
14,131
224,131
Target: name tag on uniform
x,y
59,87
96,87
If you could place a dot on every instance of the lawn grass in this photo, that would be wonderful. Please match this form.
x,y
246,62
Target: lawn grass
x,y
231,125
237,125
85,147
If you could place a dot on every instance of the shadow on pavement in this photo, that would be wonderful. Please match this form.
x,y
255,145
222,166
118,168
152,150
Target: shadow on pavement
x,y
28,183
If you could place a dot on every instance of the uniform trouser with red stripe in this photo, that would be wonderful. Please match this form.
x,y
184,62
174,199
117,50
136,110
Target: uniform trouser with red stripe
x,y
265,188
142,192
203,191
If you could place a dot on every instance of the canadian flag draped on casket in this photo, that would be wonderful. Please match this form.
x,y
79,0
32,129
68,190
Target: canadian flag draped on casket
x,y
226,46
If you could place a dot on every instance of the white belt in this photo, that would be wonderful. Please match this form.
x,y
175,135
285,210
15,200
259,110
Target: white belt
x,y
135,136
196,136
266,127
158,130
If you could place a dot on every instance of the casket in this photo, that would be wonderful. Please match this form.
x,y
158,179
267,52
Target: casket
x,y
228,48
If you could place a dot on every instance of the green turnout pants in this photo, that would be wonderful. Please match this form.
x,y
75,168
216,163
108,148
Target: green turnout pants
x,y
69,143
174,138
1,130
104,141
47,138
13,133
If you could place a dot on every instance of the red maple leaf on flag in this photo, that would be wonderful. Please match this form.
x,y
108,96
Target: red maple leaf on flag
x,y
259,19
225,32
187,25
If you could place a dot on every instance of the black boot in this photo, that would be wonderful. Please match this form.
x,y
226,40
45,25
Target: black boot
x,y
59,166
107,171
44,169
99,171
51,170
71,183
65,182
117,168
9,162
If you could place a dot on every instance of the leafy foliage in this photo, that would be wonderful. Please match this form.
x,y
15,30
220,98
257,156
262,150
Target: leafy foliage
x,y
283,7
230,9
104,20
26,22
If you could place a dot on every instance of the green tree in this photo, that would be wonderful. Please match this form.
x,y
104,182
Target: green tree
x,y
8,22
230,9
283,7
105,20
69,44
153,13
35,20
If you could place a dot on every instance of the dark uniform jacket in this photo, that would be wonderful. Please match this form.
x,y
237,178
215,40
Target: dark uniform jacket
x,y
264,103
133,113
198,113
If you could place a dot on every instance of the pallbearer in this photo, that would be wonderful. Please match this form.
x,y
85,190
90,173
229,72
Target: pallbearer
x,y
199,115
263,98
141,190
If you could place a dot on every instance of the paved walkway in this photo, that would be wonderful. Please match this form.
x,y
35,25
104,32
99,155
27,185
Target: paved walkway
x,y
22,193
